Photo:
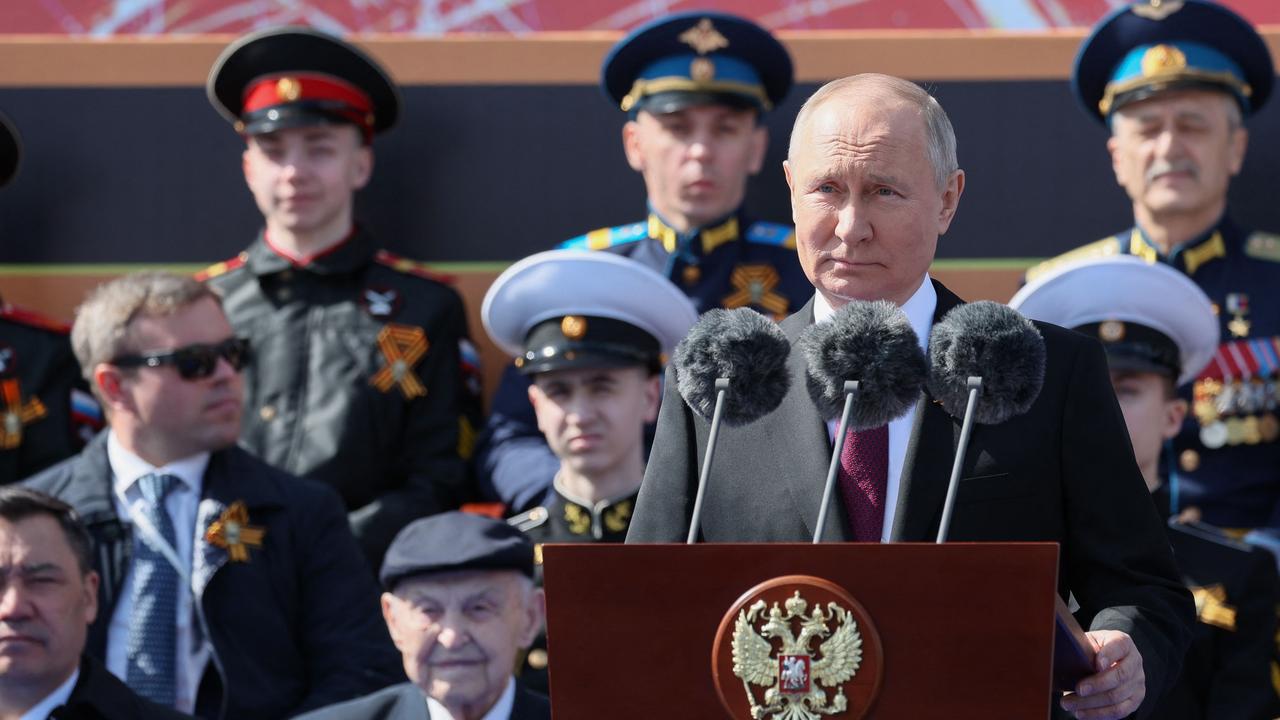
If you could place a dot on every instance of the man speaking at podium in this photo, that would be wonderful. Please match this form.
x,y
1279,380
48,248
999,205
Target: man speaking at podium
x,y
874,181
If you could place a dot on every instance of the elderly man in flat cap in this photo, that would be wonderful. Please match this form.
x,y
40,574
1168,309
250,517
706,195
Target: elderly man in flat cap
x,y
460,603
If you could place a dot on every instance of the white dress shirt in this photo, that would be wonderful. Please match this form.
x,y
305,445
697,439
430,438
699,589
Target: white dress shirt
x,y
501,710
41,710
919,310
181,504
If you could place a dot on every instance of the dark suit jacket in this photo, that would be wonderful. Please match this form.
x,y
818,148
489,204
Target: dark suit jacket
x,y
296,627
99,695
406,702
1063,472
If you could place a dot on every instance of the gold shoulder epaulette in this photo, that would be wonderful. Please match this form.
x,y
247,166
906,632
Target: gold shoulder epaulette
x,y
1263,246
412,267
526,521
223,267
1099,248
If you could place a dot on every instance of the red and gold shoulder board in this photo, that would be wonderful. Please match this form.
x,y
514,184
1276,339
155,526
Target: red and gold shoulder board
x,y
22,316
412,267
222,268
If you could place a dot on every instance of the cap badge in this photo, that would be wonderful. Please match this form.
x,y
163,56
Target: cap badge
x,y
233,533
574,327
402,347
702,70
1162,60
1111,331
704,37
1156,9
288,89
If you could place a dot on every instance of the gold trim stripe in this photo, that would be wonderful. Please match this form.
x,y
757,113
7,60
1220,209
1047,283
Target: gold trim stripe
x,y
552,58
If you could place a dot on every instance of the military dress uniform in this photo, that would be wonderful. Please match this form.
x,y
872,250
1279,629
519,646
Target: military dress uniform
x,y
358,378
685,59
1226,461
573,310
46,411
1152,318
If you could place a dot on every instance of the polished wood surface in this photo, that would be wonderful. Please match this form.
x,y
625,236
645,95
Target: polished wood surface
x,y
967,628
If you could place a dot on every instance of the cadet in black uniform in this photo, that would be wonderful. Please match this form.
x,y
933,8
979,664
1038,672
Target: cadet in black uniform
x,y
1174,81
357,378
1159,330
694,87
46,412
591,330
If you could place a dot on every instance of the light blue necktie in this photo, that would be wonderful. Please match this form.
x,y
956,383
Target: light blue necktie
x,y
153,635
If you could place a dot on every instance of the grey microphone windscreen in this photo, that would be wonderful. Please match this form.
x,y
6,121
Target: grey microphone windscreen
x,y
742,345
873,343
996,343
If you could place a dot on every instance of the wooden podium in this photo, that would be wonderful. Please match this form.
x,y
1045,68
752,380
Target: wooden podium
x,y
967,629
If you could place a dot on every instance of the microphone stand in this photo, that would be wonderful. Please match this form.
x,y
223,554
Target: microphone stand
x,y
975,386
850,390
721,387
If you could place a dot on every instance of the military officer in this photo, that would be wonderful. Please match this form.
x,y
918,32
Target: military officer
x,y
1159,331
591,330
1174,81
694,88
357,380
46,413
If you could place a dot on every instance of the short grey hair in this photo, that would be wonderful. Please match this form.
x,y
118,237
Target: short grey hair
x,y
101,332
939,135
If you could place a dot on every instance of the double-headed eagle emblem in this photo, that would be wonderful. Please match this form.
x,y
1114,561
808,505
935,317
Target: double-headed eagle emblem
x,y
796,680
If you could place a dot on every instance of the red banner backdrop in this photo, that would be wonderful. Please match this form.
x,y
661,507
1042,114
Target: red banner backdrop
x,y
438,17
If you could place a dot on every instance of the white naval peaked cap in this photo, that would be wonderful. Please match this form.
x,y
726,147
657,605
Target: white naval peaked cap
x,y
1122,290
583,284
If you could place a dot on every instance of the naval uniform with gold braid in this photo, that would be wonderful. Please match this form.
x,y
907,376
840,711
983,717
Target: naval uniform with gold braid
x,y
1226,460
356,378
735,262
563,520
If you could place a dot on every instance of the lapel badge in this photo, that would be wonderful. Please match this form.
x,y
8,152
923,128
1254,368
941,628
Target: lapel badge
x,y
233,533
380,302
756,285
402,347
15,414
790,649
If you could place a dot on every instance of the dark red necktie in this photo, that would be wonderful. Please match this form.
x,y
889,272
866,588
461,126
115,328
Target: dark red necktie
x,y
864,480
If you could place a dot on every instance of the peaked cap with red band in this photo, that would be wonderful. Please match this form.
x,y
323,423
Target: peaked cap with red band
x,y
294,77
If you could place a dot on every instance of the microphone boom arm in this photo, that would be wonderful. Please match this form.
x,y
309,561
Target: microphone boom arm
x,y
944,526
850,390
721,387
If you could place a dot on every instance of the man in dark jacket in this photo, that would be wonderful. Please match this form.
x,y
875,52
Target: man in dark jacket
x,y
229,588
48,597
460,604
360,381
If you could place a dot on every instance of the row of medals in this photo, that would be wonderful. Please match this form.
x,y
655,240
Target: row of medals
x,y
1239,412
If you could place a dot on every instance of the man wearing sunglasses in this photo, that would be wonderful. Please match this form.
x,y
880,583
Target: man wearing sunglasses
x,y
229,588
361,383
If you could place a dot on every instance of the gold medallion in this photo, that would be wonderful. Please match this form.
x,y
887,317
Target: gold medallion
x,y
1251,433
1162,60
573,327
288,89
1214,435
702,70
1239,327
1205,411
1189,460
1269,427
1111,331
1235,431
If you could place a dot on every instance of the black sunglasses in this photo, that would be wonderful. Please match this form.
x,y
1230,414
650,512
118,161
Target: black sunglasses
x,y
193,362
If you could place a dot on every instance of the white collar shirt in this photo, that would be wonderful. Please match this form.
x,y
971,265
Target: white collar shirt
x,y
181,504
52,701
919,310
501,710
